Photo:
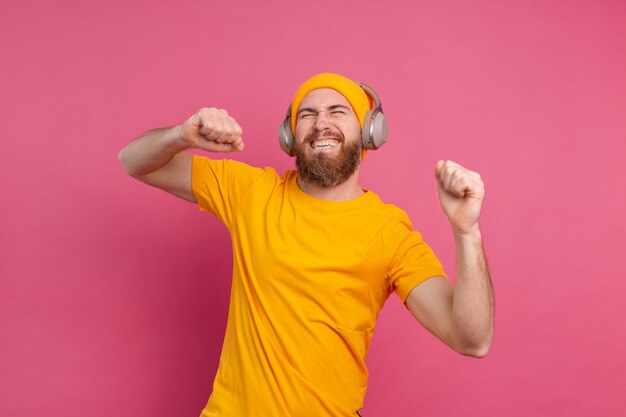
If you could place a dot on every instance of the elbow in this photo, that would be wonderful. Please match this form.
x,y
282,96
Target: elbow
x,y
477,352
123,159
476,349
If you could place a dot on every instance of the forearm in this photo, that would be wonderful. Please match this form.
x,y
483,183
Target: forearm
x,y
473,302
151,151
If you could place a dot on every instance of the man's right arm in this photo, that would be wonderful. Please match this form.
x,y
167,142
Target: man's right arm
x,y
158,157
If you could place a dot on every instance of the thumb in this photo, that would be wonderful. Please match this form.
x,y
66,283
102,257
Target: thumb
x,y
237,145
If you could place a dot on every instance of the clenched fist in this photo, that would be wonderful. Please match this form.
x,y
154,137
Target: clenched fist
x,y
213,130
461,194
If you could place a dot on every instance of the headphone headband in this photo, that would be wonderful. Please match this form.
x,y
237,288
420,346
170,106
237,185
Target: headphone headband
x,y
370,92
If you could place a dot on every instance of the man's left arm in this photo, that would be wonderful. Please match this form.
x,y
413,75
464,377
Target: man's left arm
x,y
461,315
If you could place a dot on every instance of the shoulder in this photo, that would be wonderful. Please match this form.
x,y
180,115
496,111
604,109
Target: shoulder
x,y
392,214
203,165
397,226
200,161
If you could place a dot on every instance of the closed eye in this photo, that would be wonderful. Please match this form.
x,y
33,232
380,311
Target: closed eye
x,y
338,109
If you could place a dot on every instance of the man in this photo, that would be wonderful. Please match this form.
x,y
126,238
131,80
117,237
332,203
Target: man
x,y
316,255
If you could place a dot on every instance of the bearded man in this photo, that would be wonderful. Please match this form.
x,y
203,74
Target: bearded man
x,y
316,255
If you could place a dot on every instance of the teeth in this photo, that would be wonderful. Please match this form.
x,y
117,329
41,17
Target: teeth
x,y
324,144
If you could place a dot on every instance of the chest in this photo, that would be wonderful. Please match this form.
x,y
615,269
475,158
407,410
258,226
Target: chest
x,y
337,256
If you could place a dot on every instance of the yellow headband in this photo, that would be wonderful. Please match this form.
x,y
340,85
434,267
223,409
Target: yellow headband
x,y
358,99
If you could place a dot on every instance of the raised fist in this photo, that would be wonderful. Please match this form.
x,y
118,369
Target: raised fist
x,y
213,130
461,194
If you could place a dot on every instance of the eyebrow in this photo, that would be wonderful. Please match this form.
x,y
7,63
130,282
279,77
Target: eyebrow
x,y
312,110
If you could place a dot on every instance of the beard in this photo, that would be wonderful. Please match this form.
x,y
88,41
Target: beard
x,y
327,170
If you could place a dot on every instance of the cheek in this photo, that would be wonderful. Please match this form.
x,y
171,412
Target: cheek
x,y
355,132
302,130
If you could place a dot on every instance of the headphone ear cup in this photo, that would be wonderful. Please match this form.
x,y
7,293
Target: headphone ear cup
x,y
366,139
285,135
375,129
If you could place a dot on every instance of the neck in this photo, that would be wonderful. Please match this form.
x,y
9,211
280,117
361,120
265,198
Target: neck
x,y
347,190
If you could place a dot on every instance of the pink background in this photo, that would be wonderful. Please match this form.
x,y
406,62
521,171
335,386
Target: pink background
x,y
113,295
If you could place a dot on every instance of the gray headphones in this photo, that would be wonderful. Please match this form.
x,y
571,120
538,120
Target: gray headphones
x,y
373,133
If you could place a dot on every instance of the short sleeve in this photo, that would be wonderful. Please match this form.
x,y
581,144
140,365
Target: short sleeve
x,y
413,261
219,185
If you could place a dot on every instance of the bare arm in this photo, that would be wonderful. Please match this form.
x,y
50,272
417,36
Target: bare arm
x,y
157,157
461,316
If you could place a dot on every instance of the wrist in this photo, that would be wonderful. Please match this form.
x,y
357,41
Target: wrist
x,y
177,139
468,245
467,235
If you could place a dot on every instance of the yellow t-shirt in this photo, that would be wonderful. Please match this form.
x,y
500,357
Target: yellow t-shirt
x,y
309,279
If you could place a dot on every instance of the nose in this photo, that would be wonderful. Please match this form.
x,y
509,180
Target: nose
x,y
321,121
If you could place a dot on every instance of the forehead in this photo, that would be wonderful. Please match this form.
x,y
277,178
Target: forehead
x,y
324,97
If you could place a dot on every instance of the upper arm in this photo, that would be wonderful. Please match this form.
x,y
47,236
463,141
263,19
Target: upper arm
x,y
431,304
174,177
